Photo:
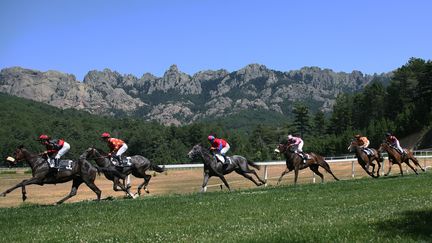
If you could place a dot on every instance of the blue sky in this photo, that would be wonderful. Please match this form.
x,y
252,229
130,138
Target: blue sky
x,y
149,35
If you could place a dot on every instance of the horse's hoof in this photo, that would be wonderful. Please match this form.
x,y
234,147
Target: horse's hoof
x,y
135,196
3,195
24,198
146,190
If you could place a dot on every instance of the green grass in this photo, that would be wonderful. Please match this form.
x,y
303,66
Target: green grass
x,y
391,209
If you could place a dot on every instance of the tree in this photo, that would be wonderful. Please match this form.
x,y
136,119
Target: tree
x,y
301,118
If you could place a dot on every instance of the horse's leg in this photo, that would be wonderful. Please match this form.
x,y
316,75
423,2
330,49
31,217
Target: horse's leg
x,y
283,173
75,184
400,168
379,166
24,197
261,180
118,184
92,185
33,180
225,182
409,164
296,173
205,181
144,184
390,167
415,161
327,168
314,168
240,172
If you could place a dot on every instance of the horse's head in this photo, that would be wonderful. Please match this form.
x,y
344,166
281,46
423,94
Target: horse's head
x,y
19,154
282,148
352,145
91,153
384,146
195,151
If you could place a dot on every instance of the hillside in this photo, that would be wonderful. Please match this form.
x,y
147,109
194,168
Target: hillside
x,y
178,98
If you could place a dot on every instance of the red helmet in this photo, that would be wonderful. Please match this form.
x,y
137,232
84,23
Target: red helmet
x,y
105,135
43,137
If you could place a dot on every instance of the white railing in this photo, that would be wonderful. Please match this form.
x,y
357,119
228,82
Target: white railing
x,y
340,159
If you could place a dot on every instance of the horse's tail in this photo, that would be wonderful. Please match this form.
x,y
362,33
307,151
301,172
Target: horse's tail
x,y
157,168
110,171
253,165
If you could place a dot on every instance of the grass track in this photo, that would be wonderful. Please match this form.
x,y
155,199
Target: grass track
x,y
390,209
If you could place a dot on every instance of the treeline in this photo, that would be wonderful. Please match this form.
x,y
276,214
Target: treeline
x,y
402,107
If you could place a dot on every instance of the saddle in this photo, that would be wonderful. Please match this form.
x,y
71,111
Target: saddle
x,y
304,156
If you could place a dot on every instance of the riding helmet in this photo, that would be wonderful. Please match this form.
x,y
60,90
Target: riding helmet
x,y
105,135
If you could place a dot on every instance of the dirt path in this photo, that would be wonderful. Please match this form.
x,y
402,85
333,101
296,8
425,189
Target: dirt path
x,y
173,181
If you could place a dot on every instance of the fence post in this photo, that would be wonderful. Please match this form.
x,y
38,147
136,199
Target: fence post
x,y
352,169
313,177
265,175
424,161
382,167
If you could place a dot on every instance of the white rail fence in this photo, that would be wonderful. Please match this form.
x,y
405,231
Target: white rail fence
x,y
422,156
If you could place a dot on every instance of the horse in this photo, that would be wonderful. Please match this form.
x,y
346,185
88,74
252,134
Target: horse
x,y
365,160
138,168
81,171
396,157
238,163
295,162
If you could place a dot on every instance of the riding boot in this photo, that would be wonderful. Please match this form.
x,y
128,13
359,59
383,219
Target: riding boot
x,y
225,158
56,163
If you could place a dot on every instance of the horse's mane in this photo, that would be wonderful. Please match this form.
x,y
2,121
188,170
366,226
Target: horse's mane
x,y
101,151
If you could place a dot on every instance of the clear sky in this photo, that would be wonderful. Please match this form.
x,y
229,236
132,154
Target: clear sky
x,y
149,35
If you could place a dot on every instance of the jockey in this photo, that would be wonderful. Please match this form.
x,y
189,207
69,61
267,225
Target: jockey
x,y
57,147
363,143
117,146
394,142
298,143
221,146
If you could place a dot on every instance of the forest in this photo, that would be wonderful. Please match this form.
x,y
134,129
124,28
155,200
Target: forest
x,y
403,106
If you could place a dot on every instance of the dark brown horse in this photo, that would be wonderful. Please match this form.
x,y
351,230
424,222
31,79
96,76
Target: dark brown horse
x,y
138,168
396,158
365,160
238,164
82,171
295,162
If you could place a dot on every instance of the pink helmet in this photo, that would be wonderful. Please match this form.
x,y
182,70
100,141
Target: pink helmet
x,y
43,137
105,135
210,137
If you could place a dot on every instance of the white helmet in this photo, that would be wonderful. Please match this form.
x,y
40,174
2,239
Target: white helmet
x,y
290,137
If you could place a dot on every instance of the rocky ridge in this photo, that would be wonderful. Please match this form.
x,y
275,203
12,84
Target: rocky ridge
x,y
177,98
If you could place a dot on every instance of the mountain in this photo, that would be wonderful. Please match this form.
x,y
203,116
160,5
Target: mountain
x,y
178,98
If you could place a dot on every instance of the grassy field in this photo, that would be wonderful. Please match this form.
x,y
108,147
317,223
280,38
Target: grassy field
x,y
390,209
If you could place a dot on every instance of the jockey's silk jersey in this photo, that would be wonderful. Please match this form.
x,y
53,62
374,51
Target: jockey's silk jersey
x,y
295,140
219,143
362,141
392,140
54,145
114,144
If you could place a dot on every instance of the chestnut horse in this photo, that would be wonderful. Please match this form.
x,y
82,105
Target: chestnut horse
x,y
295,162
365,160
396,157
82,171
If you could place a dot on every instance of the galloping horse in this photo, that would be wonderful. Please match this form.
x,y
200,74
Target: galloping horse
x,y
365,160
396,157
82,171
138,168
238,164
295,162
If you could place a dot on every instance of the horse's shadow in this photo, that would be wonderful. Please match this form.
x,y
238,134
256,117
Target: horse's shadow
x,y
416,224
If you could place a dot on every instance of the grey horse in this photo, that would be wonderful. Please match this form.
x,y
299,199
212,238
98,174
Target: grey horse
x,y
82,171
138,168
238,164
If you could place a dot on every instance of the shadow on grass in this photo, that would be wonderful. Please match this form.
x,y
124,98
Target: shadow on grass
x,y
416,224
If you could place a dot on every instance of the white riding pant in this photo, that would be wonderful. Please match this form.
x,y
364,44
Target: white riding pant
x,y
225,149
121,150
397,145
63,150
300,147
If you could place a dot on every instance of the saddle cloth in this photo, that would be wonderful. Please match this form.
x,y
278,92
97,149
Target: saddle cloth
x,y
65,165
126,161
221,159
